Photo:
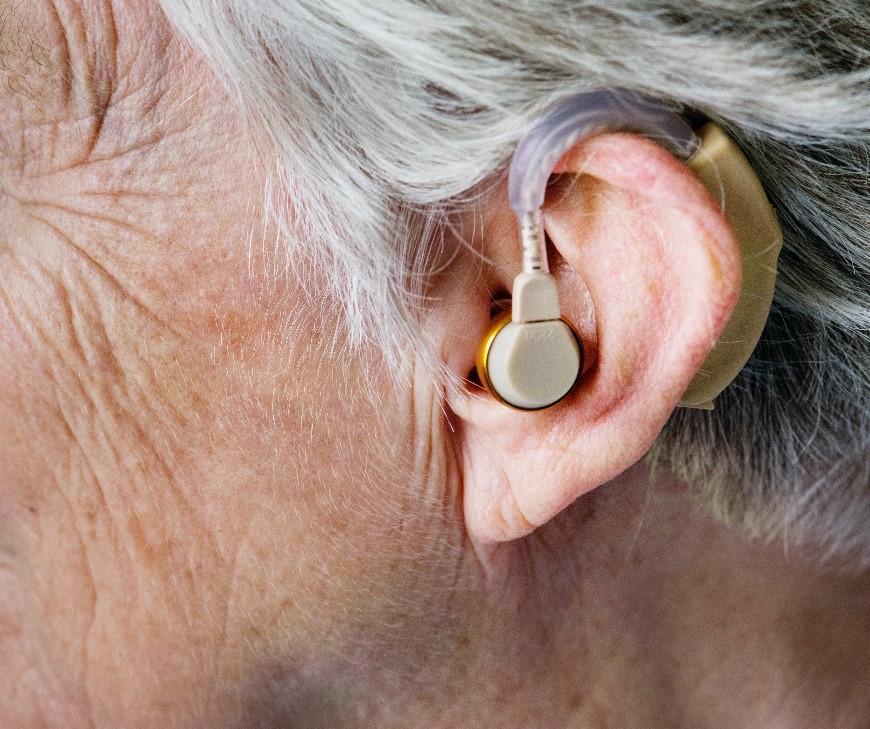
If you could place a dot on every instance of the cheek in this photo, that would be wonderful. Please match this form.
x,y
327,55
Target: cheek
x,y
348,524
223,503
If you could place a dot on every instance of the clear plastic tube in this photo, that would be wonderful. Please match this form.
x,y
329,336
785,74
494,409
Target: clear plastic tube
x,y
560,128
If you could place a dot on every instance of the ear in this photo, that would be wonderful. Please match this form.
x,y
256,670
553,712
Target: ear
x,y
648,271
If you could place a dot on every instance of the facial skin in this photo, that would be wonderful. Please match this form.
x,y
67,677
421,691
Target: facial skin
x,y
211,515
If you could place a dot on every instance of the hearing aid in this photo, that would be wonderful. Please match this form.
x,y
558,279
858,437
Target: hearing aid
x,y
531,358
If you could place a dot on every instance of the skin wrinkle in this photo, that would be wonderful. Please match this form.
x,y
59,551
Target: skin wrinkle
x,y
433,464
66,64
78,351
39,681
223,658
107,106
47,668
91,619
77,438
86,68
100,355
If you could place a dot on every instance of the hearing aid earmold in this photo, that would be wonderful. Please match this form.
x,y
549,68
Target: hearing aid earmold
x,y
532,359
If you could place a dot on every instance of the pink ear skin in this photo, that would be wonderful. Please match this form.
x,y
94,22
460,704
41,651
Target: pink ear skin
x,y
638,240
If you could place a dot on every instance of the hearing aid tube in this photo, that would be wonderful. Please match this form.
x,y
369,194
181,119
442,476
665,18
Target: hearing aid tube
x,y
582,115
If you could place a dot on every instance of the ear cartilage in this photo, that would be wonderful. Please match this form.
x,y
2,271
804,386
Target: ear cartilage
x,y
532,359
559,129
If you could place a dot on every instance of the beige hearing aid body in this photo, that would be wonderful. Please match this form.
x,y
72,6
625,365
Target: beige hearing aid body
x,y
726,173
531,359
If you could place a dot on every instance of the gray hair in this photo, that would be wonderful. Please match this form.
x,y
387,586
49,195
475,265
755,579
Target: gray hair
x,y
383,116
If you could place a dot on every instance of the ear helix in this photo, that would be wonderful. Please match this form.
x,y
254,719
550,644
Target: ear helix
x,y
533,358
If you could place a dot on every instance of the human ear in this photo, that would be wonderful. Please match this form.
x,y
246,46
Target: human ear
x,y
648,271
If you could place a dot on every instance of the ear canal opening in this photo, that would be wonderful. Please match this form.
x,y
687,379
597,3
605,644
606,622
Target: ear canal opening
x,y
472,379
499,302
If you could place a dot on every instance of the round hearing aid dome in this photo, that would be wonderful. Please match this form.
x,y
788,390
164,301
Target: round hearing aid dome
x,y
530,366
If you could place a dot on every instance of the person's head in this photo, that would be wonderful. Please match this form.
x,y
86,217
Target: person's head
x,y
389,125
249,250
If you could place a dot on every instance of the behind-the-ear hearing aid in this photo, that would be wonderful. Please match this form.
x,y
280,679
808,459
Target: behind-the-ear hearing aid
x,y
531,358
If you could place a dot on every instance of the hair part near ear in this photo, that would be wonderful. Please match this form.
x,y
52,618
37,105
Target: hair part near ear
x,y
385,116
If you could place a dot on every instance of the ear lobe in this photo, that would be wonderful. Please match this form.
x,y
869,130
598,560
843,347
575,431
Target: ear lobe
x,y
639,239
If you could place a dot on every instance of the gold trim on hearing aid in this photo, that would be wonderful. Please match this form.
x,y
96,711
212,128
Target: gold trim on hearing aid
x,y
532,358
482,359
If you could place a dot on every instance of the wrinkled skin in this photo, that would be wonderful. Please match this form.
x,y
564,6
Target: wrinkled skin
x,y
207,518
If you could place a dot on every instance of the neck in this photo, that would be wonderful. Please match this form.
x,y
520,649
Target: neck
x,y
657,617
